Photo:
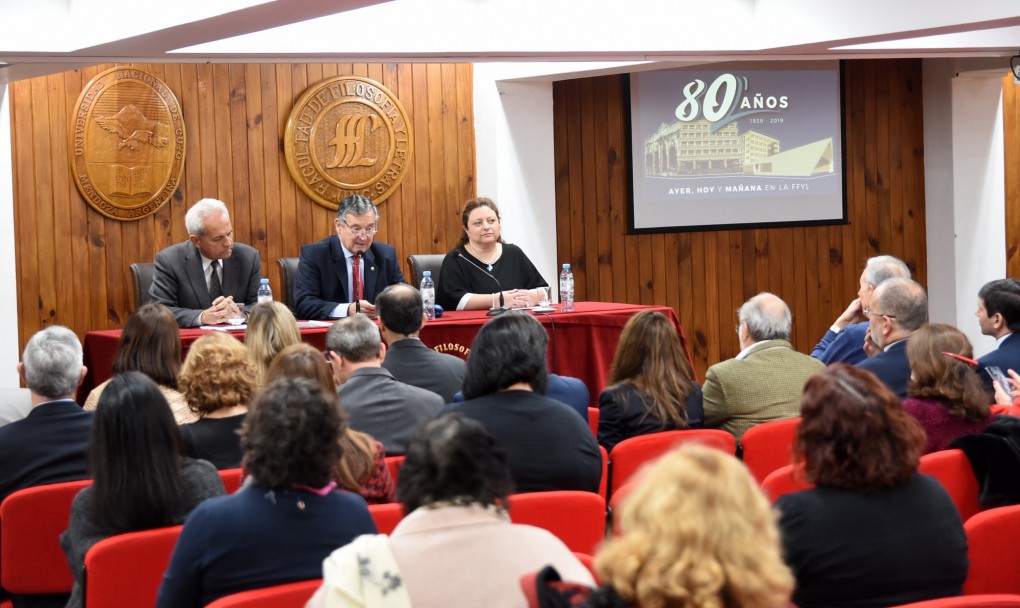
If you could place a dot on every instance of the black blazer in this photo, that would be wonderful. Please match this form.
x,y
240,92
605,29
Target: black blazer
x,y
321,281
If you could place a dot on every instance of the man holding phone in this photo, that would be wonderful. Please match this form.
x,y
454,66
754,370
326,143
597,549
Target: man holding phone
x,y
998,314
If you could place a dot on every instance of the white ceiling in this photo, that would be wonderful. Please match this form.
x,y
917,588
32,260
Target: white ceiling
x,y
45,36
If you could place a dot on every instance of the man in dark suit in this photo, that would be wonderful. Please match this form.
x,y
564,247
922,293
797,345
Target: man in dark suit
x,y
208,278
376,402
48,445
899,307
998,314
400,318
340,276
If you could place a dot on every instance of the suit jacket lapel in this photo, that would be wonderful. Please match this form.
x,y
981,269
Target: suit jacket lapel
x,y
371,273
339,266
193,268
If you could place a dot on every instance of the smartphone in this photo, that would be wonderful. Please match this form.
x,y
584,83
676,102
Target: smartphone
x,y
1001,378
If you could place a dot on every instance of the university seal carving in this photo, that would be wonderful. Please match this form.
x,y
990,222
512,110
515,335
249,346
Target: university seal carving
x,y
347,135
126,143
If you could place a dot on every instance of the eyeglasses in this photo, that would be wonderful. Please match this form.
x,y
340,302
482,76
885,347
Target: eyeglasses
x,y
361,231
878,314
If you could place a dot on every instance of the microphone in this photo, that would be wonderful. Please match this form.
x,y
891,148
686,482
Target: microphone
x,y
492,311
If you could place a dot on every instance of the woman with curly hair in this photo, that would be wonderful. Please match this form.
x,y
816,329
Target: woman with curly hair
x,y
697,532
362,467
279,527
946,396
217,380
271,328
873,532
651,384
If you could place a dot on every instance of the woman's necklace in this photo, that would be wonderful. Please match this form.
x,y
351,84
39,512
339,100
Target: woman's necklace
x,y
492,259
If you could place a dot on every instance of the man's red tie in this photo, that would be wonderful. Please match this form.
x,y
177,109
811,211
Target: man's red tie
x,y
359,289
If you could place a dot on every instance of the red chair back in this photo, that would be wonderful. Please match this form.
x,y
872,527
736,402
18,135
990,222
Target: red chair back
x,y
31,522
593,420
577,518
393,463
769,446
952,469
628,455
127,569
232,479
785,480
993,551
999,600
291,595
387,516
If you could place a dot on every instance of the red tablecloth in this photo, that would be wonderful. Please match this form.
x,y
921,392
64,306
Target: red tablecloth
x,y
581,343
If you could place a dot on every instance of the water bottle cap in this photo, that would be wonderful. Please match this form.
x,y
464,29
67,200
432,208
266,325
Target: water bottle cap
x,y
264,281
427,273
566,267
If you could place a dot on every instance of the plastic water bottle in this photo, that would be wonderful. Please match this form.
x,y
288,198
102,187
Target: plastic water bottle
x,y
265,293
566,289
428,295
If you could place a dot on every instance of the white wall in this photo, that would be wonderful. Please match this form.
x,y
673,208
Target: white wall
x,y
8,274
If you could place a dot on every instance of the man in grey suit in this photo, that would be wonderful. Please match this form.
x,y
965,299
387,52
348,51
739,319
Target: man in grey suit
x,y
375,401
765,381
400,318
208,278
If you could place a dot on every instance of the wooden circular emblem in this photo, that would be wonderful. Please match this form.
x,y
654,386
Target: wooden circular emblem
x,y
347,135
126,143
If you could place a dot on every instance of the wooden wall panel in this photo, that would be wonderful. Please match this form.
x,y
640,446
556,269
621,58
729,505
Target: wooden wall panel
x,y
1011,157
705,276
72,262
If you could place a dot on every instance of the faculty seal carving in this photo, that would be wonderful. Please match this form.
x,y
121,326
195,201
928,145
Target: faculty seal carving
x,y
347,135
126,143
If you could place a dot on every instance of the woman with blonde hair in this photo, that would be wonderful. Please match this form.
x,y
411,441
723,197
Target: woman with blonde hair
x,y
362,465
271,328
697,531
217,380
651,384
945,394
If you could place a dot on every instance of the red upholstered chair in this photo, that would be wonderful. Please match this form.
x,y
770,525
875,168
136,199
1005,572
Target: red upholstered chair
x,y
628,455
386,516
232,479
291,595
577,518
1011,410
993,551
393,463
593,420
952,469
31,522
769,446
785,480
127,569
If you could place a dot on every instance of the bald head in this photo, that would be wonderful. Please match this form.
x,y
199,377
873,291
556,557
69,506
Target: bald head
x,y
399,307
766,317
903,300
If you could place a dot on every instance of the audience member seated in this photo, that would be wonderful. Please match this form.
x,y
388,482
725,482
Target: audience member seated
x,y
217,380
873,532
271,328
375,401
456,547
208,278
151,344
844,342
279,527
998,314
651,384
484,272
946,395
548,447
139,479
341,276
765,380
697,531
48,445
362,465
407,358
898,308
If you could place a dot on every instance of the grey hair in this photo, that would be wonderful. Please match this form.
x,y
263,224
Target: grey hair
x,y
903,299
194,219
883,267
767,317
355,205
355,338
52,362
